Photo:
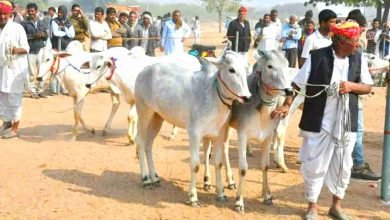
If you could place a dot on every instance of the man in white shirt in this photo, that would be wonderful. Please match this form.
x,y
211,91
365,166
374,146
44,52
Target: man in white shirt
x,y
319,38
13,71
174,34
100,31
326,151
267,35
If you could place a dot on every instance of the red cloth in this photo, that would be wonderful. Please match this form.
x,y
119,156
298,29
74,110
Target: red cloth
x,y
243,10
346,29
5,7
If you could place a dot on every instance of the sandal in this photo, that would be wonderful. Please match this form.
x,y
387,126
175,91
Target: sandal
x,y
311,215
339,215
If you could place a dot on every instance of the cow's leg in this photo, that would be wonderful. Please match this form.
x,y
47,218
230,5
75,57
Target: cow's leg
x,y
153,129
218,144
76,120
115,105
243,168
207,153
79,108
143,125
194,139
173,133
229,172
264,162
278,144
132,129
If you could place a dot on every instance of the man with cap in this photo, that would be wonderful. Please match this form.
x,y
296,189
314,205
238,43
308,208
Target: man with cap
x,y
150,34
174,34
361,170
13,71
327,141
240,25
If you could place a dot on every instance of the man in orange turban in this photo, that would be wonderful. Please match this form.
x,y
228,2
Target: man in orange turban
x,y
13,71
326,151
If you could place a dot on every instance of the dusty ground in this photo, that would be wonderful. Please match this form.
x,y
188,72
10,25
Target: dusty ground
x,y
44,176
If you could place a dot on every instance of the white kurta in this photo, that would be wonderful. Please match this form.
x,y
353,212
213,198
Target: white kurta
x,y
313,42
13,71
270,37
172,37
324,158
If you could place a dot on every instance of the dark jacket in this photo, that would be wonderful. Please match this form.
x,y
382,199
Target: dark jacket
x,y
36,36
322,62
64,40
244,39
153,43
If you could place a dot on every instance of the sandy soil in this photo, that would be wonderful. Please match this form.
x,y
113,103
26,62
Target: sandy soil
x,y
44,176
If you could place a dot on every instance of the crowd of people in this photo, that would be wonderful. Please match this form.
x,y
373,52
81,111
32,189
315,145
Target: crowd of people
x,y
320,50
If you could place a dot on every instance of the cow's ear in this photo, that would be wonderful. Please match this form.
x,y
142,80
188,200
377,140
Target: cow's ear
x,y
109,64
85,65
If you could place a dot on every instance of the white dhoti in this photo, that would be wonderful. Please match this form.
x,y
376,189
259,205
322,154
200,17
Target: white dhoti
x,y
10,106
325,162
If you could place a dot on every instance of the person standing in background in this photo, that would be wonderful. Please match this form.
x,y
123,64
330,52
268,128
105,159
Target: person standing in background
x,y
150,35
133,31
291,34
174,34
100,31
36,35
80,25
116,29
240,25
196,29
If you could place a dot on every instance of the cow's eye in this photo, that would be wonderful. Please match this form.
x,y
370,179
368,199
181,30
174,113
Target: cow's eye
x,y
231,70
270,66
98,67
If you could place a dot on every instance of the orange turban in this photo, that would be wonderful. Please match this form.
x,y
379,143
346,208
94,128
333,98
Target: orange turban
x,y
243,10
348,29
5,7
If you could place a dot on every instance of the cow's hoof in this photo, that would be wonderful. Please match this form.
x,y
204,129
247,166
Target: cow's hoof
x,y
131,142
239,208
156,184
231,186
93,131
206,187
268,202
284,169
194,204
71,139
222,199
104,133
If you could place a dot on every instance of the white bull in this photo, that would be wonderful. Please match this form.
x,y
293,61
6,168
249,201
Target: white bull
x,y
121,74
197,101
67,69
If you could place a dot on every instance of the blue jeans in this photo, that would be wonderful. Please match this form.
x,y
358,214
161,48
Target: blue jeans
x,y
358,152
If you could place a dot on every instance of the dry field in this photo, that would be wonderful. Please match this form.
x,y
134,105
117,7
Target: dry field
x,y
44,176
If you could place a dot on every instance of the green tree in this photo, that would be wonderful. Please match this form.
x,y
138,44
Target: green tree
x,y
221,7
379,4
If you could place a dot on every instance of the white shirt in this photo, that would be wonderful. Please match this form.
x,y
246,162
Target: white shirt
x,y
101,31
58,33
12,77
269,39
340,73
172,37
313,42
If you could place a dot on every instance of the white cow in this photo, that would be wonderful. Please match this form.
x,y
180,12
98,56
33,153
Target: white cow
x,y
122,72
67,69
197,101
